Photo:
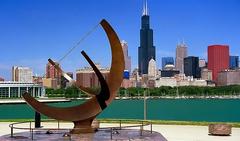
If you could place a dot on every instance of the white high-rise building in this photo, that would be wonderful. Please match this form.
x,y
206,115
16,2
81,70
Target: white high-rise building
x,y
22,74
14,73
152,69
181,53
127,58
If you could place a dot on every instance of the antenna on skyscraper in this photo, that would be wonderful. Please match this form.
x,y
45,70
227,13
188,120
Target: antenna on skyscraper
x,y
145,8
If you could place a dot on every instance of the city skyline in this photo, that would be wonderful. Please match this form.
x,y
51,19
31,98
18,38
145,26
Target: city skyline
x,y
33,31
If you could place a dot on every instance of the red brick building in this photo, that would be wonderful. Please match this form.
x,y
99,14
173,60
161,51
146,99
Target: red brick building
x,y
87,77
218,59
53,73
1,79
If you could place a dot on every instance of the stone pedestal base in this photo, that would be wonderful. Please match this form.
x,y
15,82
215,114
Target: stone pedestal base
x,y
87,126
82,130
220,129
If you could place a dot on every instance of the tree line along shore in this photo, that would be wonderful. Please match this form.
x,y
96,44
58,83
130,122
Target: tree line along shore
x,y
164,91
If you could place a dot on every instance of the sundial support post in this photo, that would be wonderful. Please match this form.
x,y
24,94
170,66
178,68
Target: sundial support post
x,y
37,119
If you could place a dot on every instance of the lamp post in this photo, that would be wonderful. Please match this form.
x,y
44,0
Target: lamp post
x,y
145,104
177,92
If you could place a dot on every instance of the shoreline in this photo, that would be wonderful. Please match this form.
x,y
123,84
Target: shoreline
x,y
63,99
43,100
180,97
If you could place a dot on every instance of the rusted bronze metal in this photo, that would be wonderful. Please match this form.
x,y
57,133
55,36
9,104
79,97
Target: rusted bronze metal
x,y
83,115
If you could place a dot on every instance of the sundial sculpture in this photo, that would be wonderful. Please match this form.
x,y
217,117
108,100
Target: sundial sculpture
x,y
83,115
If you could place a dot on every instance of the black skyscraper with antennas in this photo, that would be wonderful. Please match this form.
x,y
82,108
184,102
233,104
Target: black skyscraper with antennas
x,y
146,51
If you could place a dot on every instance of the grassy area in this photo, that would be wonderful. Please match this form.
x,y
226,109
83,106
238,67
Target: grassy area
x,y
134,121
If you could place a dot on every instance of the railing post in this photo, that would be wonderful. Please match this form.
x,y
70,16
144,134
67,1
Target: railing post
x,y
120,125
32,134
30,124
58,125
111,133
141,130
151,126
11,131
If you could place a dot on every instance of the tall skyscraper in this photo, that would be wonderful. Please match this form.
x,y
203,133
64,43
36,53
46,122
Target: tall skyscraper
x,y
234,62
167,61
22,74
53,73
127,58
181,53
191,67
218,59
146,51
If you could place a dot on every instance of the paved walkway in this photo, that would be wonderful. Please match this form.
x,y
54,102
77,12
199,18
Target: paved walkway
x,y
193,133
170,132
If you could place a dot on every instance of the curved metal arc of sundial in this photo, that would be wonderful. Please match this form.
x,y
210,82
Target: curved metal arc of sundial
x,y
91,108
104,93
117,66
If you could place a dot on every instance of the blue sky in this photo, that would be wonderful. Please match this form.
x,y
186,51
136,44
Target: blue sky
x,y
34,30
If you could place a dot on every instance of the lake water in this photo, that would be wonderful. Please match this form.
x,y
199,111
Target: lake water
x,y
217,110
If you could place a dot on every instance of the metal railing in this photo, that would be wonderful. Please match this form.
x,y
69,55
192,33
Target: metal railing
x,y
137,123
